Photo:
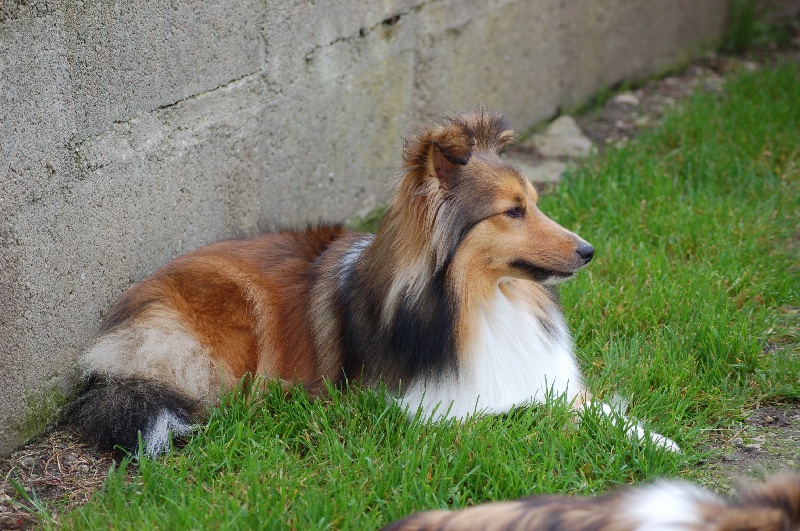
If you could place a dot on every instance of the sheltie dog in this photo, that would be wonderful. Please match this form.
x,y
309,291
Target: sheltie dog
x,y
450,304
664,505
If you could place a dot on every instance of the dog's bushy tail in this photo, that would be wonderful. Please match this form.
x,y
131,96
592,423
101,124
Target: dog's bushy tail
x,y
113,412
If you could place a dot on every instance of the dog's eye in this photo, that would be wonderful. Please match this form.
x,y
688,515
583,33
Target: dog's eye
x,y
515,212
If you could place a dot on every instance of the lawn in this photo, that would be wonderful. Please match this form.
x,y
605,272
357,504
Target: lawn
x,y
688,316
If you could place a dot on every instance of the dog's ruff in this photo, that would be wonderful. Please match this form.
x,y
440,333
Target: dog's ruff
x,y
450,304
499,371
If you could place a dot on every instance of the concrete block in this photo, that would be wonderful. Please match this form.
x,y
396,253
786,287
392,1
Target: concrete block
x,y
131,57
338,163
519,68
607,42
37,125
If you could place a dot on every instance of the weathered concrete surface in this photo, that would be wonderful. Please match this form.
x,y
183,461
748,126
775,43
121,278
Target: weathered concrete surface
x,y
135,131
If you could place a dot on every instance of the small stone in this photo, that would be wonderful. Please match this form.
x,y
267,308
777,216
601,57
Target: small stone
x,y
563,138
737,441
750,66
28,462
757,443
626,98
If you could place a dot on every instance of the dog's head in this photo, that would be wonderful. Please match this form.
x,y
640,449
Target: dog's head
x,y
479,211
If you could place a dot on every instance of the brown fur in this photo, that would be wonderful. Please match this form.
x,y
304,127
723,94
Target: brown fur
x,y
246,300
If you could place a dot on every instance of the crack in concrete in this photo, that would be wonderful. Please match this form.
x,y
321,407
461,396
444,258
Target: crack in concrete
x,y
230,84
390,21
76,147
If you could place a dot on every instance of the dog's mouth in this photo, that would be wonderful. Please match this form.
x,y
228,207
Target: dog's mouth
x,y
541,274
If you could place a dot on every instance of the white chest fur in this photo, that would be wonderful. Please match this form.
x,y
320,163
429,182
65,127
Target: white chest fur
x,y
512,360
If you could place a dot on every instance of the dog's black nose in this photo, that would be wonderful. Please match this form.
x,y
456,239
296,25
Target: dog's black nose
x,y
586,252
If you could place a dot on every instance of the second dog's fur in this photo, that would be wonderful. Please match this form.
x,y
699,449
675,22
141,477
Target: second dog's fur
x,y
665,505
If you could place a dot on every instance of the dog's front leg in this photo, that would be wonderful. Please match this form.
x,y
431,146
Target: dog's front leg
x,y
633,429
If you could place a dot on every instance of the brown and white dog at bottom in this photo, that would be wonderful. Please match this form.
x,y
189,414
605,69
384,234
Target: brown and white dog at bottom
x,y
666,505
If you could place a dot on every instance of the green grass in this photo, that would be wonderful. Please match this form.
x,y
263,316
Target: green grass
x,y
688,312
748,27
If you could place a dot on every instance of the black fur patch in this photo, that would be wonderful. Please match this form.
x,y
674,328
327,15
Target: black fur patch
x,y
419,341
111,412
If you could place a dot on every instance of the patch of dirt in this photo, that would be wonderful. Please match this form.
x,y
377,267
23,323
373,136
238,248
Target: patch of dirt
x,y
627,113
767,442
60,473
56,469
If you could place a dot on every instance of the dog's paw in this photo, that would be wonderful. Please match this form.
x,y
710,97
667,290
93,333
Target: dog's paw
x,y
635,429
659,440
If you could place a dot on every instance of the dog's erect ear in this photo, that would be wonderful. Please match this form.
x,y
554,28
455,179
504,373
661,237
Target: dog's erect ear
x,y
439,149
492,131
446,158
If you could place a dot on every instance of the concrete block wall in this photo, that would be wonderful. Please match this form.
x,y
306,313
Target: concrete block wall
x,y
135,131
